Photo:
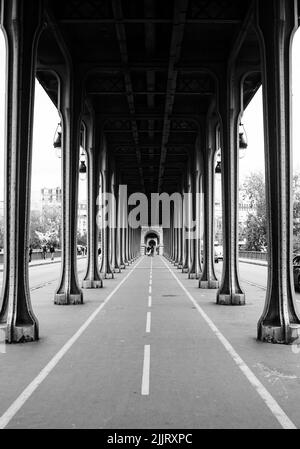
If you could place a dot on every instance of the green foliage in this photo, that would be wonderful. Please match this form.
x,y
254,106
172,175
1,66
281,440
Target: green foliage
x,y
45,227
1,233
256,224
82,239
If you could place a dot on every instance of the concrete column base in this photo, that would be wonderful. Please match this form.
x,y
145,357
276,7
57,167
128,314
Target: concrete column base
x,y
64,299
209,284
109,275
92,284
278,334
20,333
193,276
234,299
185,270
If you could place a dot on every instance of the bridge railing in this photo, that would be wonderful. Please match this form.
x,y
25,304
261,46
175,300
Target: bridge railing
x,y
253,255
37,255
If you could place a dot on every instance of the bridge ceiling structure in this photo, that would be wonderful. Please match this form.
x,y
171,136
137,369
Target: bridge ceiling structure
x,y
150,70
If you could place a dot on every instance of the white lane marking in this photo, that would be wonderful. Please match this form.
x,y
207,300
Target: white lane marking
x,y
150,282
146,371
150,301
268,399
148,323
150,289
30,389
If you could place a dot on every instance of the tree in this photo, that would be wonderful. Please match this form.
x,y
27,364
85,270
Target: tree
x,y
1,233
45,227
296,211
256,223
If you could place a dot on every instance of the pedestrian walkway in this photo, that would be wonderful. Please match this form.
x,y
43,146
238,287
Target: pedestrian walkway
x,y
37,263
149,350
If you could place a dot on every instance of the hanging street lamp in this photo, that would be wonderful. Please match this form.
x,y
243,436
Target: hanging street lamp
x,y
57,141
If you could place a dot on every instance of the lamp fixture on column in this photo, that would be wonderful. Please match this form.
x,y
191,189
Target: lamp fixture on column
x,y
57,141
82,166
218,169
243,141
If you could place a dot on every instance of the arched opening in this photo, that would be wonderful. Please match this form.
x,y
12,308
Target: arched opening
x,y
152,240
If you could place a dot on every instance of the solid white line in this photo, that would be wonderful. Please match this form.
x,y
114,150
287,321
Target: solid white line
x,y
148,323
268,399
146,371
150,289
149,301
30,389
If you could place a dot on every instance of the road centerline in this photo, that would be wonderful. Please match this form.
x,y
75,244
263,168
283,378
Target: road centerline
x,y
146,372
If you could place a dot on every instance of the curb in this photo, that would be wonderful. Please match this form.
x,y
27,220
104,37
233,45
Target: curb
x,y
51,262
254,263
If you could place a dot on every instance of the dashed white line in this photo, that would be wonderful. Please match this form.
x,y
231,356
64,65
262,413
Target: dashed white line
x,y
148,323
30,389
150,289
149,301
150,282
268,399
146,371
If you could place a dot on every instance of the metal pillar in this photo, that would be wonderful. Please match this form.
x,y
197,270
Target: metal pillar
x,y
194,267
22,27
92,277
186,224
106,269
230,291
276,22
209,278
68,291
117,231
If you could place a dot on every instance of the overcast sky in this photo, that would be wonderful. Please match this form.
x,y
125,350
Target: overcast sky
x,y
46,165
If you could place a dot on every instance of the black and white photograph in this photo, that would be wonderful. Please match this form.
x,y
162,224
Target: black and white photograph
x,y
149,218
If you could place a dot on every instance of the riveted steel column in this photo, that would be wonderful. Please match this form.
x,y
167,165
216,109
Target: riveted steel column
x,y
92,277
22,26
117,230
230,291
186,223
209,278
276,22
106,269
68,291
194,267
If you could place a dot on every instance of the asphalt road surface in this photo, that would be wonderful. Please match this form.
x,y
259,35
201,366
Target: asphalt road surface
x,y
150,350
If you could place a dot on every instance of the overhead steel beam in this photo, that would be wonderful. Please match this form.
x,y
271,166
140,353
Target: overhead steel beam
x,y
179,18
121,35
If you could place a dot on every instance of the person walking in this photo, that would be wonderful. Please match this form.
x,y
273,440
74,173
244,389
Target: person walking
x,y
52,251
30,253
44,251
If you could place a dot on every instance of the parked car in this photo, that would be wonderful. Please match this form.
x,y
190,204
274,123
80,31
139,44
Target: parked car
x,y
296,271
218,252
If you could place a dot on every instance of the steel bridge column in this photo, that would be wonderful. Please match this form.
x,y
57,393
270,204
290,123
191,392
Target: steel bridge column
x,y
209,278
276,22
194,267
186,224
117,230
230,291
106,269
68,291
92,277
22,26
